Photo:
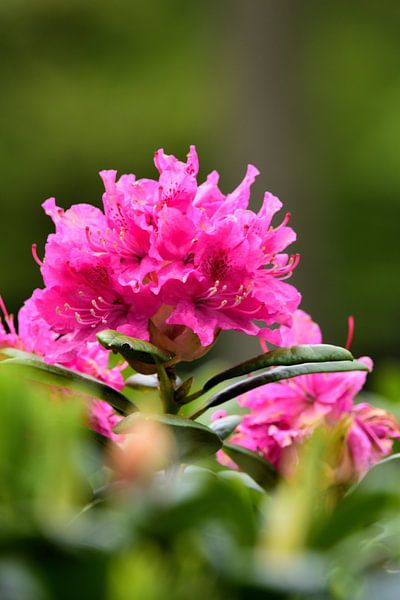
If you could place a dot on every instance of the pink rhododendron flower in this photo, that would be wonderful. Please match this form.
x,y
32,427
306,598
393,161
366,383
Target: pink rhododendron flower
x,y
370,437
169,247
103,419
282,415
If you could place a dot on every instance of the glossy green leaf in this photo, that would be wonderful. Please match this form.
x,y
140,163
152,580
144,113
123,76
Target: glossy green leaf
x,y
36,369
254,465
274,375
193,439
310,353
142,356
226,425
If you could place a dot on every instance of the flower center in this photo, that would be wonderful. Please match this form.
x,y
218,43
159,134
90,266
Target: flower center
x,y
216,265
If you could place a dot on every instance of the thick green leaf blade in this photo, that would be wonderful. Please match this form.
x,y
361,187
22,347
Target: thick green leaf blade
x,y
141,355
36,369
295,355
254,465
225,426
193,439
277,374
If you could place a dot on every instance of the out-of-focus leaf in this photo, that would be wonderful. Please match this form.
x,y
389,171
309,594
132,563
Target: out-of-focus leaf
x,y
192,439
244,478
226,425
142,356
18,581
200,501
44,456
310,353
254,465
272,376
35,368
376,497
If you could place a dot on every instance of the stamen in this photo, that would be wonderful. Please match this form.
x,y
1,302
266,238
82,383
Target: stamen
x,y
9,319
251,312
263,344
350,332
222,304
285,221
35,255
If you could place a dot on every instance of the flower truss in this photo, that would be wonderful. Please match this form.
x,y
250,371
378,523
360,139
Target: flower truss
x,y
197,257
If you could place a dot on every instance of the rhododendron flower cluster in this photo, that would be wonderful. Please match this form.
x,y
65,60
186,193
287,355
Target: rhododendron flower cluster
x,y
175,262
166,256
283,415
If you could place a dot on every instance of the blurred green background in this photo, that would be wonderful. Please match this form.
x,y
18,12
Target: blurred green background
x,y
307,91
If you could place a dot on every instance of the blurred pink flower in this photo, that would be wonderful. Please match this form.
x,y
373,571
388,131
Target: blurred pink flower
x,y
370,437
103,419
282,415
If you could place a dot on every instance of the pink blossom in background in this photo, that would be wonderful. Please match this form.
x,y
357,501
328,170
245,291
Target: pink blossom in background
x,y
282,415
167,246
370,436
103,419
8,334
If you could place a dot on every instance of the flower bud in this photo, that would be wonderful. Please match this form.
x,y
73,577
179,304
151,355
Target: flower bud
x,y
147,448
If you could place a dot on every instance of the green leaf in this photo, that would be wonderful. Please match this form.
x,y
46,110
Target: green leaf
x,y
193,439
273,375
310,353
142,356
254,465
226,425
36,369
374,500
244,478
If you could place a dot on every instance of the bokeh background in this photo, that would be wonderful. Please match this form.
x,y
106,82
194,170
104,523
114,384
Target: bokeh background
x,y
307,91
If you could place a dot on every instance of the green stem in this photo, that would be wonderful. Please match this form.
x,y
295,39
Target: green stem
x,y
167,390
